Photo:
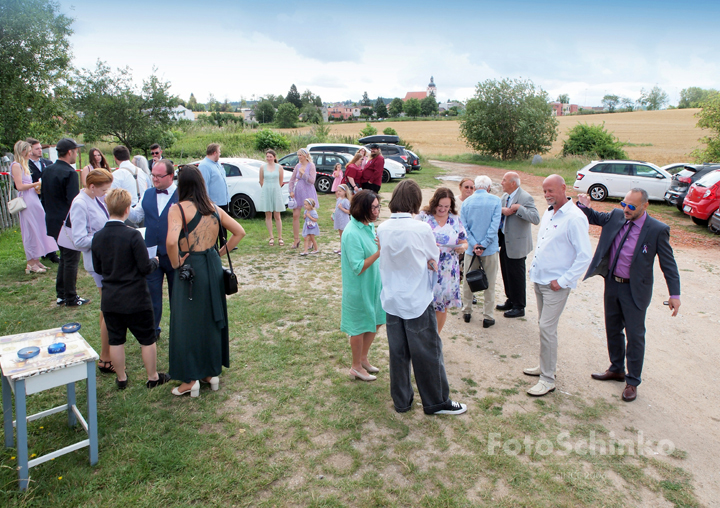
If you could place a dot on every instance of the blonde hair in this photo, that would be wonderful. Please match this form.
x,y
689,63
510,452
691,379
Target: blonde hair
x,y
346,190
310,201
22,149
117,201
98,177
306,154
358,155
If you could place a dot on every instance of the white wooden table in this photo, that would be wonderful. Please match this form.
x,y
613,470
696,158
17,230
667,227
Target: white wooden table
x,y
42,372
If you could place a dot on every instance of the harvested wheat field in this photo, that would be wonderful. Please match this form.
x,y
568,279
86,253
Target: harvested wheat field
x,y
670,135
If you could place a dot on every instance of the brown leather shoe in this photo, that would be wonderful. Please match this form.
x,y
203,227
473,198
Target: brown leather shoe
x,y
629,393
608,375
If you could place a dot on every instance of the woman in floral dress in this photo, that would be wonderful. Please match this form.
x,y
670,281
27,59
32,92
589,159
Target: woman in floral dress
x,y
450,236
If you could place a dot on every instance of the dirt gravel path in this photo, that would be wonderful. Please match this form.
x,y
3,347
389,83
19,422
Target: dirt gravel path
x,y
677,400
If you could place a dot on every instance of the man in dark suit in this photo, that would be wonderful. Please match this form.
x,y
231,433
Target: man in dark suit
x,y
515,238
154,208
625,255
37,164
60,186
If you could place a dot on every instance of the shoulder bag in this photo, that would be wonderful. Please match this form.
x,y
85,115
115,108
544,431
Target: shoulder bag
x,y
229,278
65,238
477,279
16,205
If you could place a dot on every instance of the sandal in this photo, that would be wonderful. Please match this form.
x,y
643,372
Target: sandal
x,y
104,367
296,244
280,242
271,242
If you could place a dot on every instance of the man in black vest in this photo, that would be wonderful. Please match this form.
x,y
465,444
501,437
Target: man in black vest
x,y
60,186
153,208
37,164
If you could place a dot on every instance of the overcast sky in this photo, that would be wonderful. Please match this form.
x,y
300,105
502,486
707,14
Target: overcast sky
x,y
240,49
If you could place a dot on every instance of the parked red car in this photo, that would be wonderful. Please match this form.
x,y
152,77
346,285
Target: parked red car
x,y
703,198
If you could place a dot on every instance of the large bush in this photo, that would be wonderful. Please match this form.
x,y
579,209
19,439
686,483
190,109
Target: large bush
x,y
593,140
266,138
509,119
709,117
389,131
369,130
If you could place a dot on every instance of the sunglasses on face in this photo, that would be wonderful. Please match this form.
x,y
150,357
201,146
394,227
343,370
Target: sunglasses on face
x,y
628,205
155,153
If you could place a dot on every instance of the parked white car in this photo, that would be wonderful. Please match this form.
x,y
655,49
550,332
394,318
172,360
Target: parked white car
x,y
243,181
601,179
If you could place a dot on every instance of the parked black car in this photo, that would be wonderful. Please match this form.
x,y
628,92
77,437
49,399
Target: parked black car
x,y
324,166
681,182
391,150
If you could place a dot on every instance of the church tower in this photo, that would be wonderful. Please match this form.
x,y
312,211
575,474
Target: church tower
x,y
431,88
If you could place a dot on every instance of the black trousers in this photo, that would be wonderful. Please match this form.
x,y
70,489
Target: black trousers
x,y
513,274
371,186
66,281
621,314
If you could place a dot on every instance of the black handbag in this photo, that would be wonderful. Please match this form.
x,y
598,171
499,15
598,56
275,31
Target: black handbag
x,y
229,278
477,279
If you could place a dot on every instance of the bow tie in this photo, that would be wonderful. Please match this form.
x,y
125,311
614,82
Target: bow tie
x,y
158,191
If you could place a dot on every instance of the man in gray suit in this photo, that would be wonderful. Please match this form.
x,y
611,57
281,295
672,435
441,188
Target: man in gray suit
x,y
625,256
515,236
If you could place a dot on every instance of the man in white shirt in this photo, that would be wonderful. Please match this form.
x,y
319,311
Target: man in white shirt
x,y
408,262
562,255
128,176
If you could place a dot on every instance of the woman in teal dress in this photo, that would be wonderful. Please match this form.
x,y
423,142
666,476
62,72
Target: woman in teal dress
x,y
199,337
362,314
271,198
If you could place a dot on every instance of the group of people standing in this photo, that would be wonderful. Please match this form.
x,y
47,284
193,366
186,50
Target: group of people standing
x,y
401,272
183,227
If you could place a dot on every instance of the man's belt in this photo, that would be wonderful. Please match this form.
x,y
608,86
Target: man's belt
x,y
621,280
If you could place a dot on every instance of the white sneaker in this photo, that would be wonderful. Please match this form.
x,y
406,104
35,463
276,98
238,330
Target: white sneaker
x,y
535,371
542,388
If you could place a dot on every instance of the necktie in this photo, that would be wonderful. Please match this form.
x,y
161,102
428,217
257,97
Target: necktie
x,y
617,254
502,217
158,191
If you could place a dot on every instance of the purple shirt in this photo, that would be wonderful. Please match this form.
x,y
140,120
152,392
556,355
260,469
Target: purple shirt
x,y
622,269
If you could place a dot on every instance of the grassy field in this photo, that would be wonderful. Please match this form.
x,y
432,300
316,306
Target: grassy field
x,y
661,137
289,428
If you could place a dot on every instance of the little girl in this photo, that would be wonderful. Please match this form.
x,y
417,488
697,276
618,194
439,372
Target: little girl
x,y
341,215
310,228
338,175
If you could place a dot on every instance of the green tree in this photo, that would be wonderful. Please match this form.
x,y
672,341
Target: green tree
x,y
611,102
709,118
694,97
287,115
311,114
275,100
111,105
429,106
318,101
395,107
34,66
627,104
510,119
266,138
654,99
264,111
593,140
212,104
365,100
380,108
366,112
293,97
563,98
369,130
192,103
389,131
412,107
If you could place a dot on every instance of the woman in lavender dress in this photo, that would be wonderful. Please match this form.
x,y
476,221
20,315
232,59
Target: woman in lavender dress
x,y
302,187
88,215
35,239
451,238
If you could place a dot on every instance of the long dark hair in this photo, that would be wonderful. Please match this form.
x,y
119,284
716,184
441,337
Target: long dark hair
x,y
103,161
191,187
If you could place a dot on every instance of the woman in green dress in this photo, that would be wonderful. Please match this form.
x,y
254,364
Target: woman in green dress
x,y
362,314
199,338
271,198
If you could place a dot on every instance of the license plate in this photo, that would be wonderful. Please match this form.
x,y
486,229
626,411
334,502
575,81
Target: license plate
x,y
687,208
667,195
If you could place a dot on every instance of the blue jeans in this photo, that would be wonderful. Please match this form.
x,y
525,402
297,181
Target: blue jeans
x,y
417,341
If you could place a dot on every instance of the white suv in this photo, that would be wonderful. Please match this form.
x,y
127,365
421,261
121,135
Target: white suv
x,y
601,179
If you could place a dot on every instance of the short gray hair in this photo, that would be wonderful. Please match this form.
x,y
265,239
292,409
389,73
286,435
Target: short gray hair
x,y
483,182
643,193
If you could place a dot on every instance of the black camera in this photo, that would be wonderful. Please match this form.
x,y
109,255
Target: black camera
x,y
187,274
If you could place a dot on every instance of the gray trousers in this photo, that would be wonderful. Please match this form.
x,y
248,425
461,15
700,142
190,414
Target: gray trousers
x,y
417,341
490,265
550,305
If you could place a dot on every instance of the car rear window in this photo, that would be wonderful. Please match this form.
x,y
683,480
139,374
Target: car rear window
x,y
709,180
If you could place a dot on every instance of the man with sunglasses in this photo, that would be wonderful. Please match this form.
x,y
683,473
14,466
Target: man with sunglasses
x,y
153,208
625,256
156,153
